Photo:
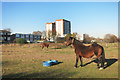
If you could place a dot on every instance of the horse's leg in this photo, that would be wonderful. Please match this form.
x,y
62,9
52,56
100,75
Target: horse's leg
x,y
102,59
42,47
102,62
98,59
77,56
81,61
98,62
47,46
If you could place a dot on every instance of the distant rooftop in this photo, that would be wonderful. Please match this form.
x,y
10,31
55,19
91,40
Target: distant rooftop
x,y
5,31
61,20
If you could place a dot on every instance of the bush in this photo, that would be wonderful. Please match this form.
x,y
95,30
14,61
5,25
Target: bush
x,y
21,41
14,41
68,36
60,41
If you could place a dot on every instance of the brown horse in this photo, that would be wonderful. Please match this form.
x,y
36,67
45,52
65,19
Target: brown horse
x,y
45,45
87,51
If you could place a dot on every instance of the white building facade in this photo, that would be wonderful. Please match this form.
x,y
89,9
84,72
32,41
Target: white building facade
x,y
60,28
63,27
50,28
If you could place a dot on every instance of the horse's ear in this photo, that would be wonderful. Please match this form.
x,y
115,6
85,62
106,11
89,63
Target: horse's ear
x,y
73,39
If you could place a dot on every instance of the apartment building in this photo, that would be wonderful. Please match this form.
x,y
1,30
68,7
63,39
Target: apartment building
x,y
50,29
60,27
63,27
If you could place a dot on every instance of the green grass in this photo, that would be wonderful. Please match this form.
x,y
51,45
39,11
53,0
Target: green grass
x,y
25,61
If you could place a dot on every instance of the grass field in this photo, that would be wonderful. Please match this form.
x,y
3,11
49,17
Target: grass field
x,y
26,61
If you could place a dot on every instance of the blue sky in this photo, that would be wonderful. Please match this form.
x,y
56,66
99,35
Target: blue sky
x,y
93,18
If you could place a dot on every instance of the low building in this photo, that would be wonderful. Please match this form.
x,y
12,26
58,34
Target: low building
x,y
5,35
27,37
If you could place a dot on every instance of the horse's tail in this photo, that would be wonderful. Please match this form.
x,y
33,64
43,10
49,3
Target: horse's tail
x,y
103,53
102,58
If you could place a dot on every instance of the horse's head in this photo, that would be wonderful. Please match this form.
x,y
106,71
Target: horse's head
x,y
69,41
48,43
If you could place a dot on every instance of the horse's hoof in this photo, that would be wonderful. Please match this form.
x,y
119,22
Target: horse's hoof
x,y
81,65
75,66
100,68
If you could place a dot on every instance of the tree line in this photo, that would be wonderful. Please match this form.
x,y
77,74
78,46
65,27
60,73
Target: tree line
x,y
109,38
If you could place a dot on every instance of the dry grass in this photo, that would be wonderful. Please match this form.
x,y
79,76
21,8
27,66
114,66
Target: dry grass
x,y
26,61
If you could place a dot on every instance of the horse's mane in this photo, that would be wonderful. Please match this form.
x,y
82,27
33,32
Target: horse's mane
x,y
77,42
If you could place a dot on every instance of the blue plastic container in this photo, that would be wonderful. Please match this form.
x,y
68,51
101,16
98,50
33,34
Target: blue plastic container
x,y
54,61
49,63
46,63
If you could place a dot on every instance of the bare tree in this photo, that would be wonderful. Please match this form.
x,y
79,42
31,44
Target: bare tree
x,y
43,35
110,38
37,32
74,34
99,40
53,34
49,35
68,36
86,38
8,29
78,36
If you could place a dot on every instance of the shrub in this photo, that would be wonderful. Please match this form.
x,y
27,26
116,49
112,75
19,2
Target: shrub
x,y
14,41
68,36
60,41
21,41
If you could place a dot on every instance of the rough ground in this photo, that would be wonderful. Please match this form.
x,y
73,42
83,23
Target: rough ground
x,y
27,61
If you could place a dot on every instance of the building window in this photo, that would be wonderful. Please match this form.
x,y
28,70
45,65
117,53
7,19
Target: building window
x,y
35,36
1,33
22,36
8,38
31,36
53,26
27,36
1,38
17,35
65,27
31,40
8,33
68,28
27,39
4,37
